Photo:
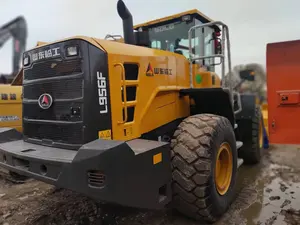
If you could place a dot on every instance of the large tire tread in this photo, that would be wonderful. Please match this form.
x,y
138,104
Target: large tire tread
x,y
191,165
252,154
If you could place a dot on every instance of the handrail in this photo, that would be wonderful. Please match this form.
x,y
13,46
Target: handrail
x,y
113,36
124,93
225,37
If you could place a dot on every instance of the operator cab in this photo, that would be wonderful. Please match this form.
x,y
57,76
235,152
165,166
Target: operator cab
x,y
171,34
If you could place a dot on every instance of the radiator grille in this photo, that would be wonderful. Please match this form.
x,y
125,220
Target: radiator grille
x,y
54,124
62,89
61,111
52,68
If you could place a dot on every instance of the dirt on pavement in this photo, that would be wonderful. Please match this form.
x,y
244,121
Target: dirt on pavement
x,y
268,193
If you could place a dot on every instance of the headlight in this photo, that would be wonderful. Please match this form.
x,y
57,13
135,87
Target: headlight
x,y
26,61
72,51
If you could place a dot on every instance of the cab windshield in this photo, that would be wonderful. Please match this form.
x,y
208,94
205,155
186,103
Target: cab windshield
x,y
174,37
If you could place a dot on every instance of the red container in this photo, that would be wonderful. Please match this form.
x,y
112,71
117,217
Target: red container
x,y
283,83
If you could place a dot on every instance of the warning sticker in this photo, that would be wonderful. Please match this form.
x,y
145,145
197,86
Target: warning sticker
x,y
8,118
105,134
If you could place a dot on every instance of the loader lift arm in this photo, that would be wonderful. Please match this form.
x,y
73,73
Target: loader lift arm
x,y
16,29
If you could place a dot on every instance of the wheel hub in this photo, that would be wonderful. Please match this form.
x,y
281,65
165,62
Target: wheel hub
x,y
223,172
261,136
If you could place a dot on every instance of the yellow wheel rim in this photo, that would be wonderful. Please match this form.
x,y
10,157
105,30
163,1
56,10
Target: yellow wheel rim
x,y
261,136
223,172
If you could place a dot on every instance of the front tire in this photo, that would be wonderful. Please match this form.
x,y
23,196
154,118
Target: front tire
x,y
200,191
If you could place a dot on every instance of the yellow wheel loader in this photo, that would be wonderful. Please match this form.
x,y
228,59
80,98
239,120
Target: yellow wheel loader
x,y
145,123
10,92
10,87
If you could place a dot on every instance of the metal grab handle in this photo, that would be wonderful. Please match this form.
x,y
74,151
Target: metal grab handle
x,y
124,92
225,37
224,41
113,36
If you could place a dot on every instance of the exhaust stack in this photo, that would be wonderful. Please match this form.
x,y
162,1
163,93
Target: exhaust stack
x,y
126,16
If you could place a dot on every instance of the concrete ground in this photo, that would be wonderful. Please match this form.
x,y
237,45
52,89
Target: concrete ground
x,y
268,193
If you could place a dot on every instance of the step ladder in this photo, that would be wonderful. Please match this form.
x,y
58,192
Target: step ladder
x,y
239,144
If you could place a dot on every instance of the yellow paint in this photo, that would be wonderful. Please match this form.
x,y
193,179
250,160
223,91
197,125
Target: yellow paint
x,y
124,103
121,40
223,169
157,158
157,97
105,134
261,135
11,108
128,131
265,116
41,43
206,76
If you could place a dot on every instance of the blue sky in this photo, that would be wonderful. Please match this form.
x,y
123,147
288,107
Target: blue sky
x,y
252,23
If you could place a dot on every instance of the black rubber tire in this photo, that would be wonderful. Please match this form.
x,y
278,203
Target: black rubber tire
x,y
194,147
251,153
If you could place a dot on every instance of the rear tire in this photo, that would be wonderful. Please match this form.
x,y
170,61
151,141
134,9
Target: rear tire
x,y
251,153
194,148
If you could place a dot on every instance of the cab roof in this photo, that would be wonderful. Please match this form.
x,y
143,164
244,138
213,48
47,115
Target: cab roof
x,y
194,13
